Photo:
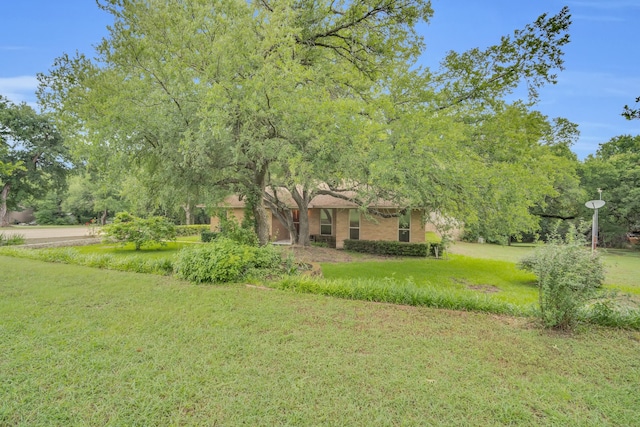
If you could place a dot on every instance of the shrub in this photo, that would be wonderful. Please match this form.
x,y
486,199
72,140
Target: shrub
x,y
11,239
224,260
191,230
207,236
127,228
568,276
381,247
242,234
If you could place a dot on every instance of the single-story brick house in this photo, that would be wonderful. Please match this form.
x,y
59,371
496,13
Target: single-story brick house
x,y
334,220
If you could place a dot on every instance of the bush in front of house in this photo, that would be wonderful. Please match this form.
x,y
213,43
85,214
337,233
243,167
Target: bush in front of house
x,y
225,260
569,275
229,228
382,247
207,236
191,230
127,228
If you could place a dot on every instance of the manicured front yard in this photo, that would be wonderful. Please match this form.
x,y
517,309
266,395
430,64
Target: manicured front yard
x,y
82,346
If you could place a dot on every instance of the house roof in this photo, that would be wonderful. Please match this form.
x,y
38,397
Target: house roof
x,y
319,201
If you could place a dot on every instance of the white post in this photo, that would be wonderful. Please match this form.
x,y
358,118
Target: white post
x,y
594,230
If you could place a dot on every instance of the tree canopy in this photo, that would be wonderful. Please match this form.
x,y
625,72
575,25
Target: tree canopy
x,y
615,169
33,158
213,98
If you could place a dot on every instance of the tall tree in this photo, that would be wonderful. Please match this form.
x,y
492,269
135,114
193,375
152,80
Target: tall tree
x,y
615,169
33,157
259,93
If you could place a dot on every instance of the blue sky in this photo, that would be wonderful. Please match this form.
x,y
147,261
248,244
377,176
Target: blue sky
x,y
602,62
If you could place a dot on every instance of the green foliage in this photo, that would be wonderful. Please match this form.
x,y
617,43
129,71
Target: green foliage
x,y
404,292
207,235
568,276
224,260
615,169
93,195
33,158
134,264
49,212
609,312
382,247
242,234
191,230
163,91
127,228
88,347
11,239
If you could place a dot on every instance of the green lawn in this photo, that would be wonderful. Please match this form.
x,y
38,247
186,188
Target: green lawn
x,y
150,251
622,265
81,346
497,279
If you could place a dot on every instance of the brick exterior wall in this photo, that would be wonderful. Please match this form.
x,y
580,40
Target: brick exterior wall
x,y
278,231
314,221
377,228
373,228
417,231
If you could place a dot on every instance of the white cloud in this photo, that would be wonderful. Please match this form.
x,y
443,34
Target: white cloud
x,y
19,89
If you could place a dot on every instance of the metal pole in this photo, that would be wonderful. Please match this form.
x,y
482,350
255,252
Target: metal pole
x,y
593,231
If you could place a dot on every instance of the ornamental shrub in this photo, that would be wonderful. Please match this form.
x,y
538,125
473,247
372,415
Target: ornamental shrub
x,y
382,247
568,276
224,260
127,228
191,230
242,234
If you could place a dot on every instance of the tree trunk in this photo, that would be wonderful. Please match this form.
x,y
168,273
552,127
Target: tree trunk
x,y
302,199
188,218
303,235
283,214
257,204
103,217
3,205
262,222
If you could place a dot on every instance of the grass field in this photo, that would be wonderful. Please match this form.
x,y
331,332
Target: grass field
x,y
497,279
81,346
622,265
150,251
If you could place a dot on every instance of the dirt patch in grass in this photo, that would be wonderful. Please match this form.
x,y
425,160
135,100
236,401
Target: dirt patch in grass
x,y
487,289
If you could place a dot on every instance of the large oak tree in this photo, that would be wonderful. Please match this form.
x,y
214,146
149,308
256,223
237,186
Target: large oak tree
x,y
239,96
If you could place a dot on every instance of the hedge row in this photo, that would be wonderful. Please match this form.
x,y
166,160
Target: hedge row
x,y
382,247
191,230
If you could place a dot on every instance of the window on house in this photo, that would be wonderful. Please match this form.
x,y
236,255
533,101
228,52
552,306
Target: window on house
x,y
354,224
326,222
404,226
